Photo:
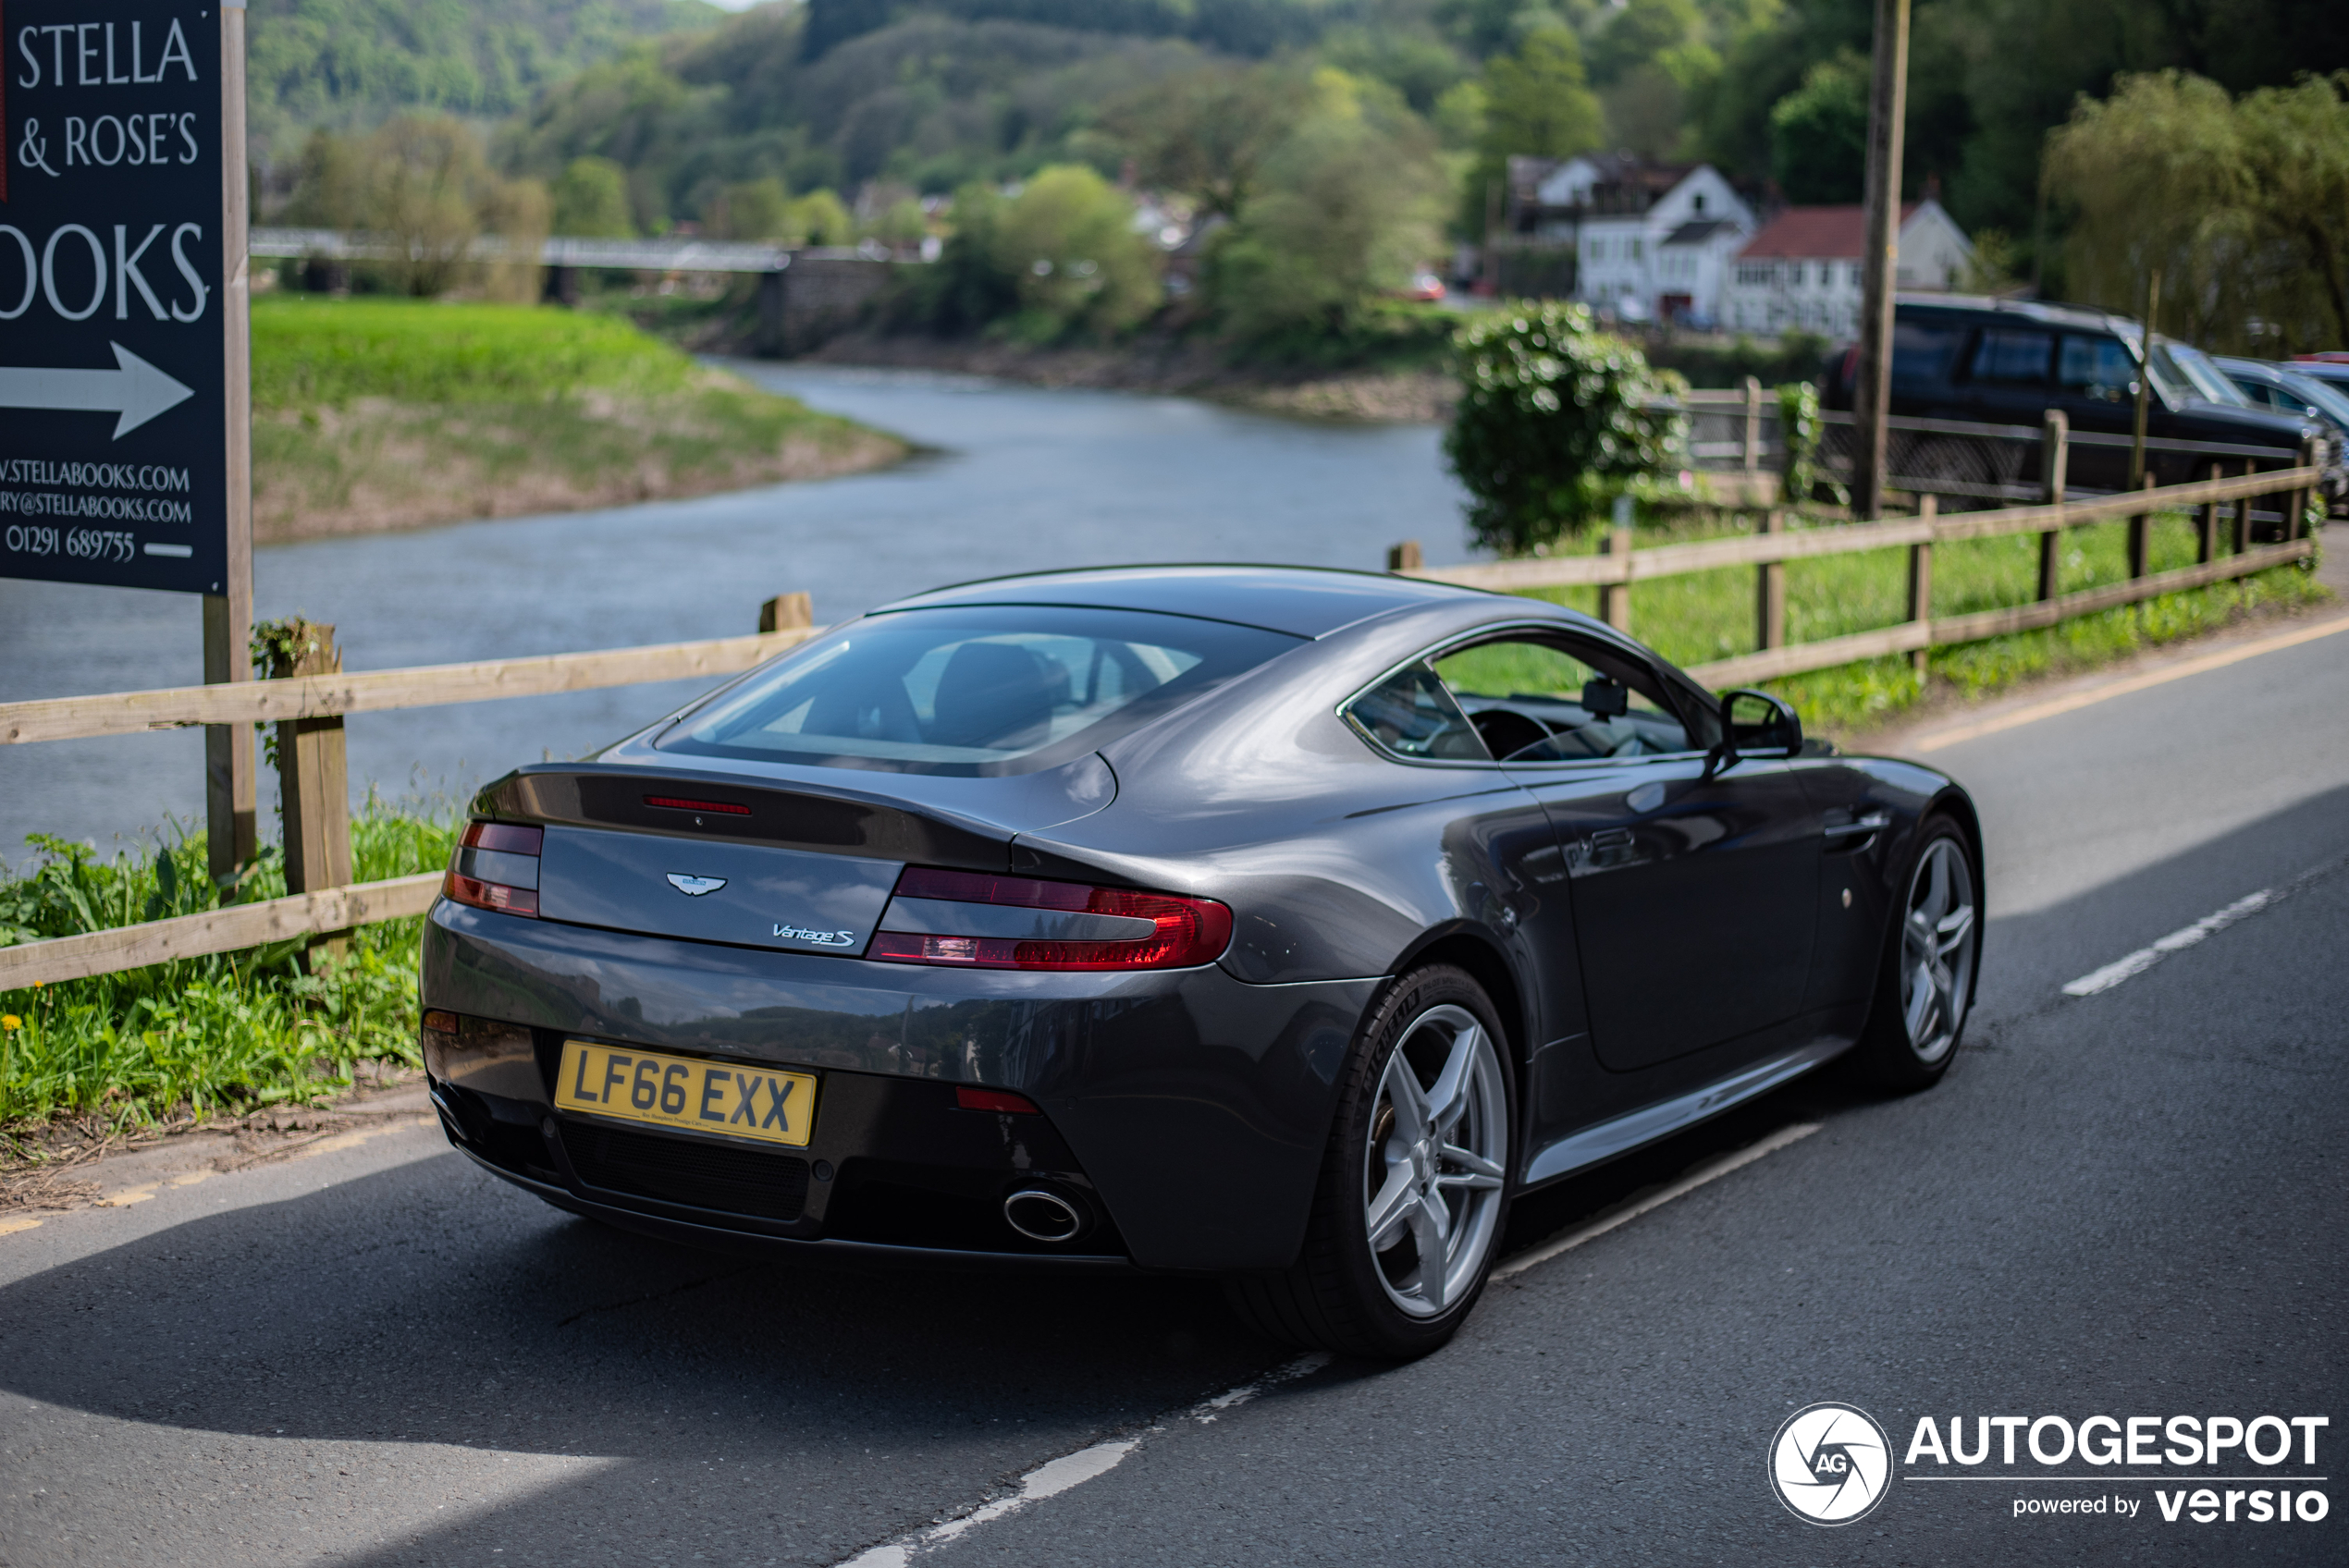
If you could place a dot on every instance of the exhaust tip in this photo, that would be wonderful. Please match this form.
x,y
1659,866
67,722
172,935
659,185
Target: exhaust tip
x,y
1042,1215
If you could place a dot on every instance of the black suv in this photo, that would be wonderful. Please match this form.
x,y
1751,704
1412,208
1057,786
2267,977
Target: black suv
x,y
2006,362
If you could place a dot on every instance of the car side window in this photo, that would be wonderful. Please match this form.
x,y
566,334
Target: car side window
x,y
1540,699
2098,368
2013,356
1411,715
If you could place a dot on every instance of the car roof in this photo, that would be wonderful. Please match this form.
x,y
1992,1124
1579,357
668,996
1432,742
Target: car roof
x,y
1308,602
2038,310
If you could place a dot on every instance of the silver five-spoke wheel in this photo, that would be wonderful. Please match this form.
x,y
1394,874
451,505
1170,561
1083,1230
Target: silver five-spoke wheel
x,y
1936,950
1436,1160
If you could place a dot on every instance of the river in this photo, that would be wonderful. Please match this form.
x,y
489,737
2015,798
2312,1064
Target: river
x,y
1018,479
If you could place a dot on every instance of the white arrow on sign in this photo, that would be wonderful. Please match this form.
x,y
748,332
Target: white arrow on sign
x,y
137,391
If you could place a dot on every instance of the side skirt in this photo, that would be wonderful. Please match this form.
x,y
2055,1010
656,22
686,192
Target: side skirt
x,y
1621,1134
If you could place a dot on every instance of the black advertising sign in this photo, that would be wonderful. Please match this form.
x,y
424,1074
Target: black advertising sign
x,y
112,395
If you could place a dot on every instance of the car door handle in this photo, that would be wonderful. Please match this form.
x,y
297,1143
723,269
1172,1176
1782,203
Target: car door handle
x,y
1610,837
1875,822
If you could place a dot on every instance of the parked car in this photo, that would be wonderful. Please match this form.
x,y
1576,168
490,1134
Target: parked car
x,y
1272,923
2288,389
2331,368
2006,362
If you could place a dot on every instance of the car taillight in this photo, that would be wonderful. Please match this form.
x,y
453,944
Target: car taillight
x,y
979,920
495,866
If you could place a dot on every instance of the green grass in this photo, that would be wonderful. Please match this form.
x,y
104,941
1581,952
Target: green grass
x,y
378,412
310,351
1707,616
201,1036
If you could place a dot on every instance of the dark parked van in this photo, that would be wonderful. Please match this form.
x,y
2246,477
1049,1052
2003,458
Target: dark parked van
x,y
2006,362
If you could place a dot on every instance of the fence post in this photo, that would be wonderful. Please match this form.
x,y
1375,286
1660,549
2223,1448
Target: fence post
x,y
2297,525
1615,598
2207,536
314,779
2140,532
2243,509
1921,580
1752,424
2055,456
1769,590
1405,556
786,612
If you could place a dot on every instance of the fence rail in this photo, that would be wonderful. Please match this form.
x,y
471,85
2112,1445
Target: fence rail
x,y
310,777
326,696
1618,566
306,704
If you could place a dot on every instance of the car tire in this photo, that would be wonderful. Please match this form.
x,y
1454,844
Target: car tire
x,y
1389,1189
1932,953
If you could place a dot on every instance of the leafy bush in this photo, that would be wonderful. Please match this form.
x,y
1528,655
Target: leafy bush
x,y
1555,420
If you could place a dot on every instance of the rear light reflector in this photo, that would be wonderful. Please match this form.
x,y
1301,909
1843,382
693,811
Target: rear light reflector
x,y
440,1020
999,1101
678,802
495,866
1185,932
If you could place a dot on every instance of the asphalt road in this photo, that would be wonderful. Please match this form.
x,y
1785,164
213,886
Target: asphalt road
x,y
2127,1203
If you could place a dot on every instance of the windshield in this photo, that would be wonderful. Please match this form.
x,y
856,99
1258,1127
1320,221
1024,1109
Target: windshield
x,y
972,690
2210,382
2169,378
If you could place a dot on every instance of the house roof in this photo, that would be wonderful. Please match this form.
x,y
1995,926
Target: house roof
x,y
1696,231
1808,233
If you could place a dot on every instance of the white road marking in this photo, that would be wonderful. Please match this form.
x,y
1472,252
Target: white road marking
x,y
2179,671
1624,1214
1069,1471
2137,963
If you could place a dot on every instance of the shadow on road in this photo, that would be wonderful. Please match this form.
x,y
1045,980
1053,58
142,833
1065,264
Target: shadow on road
x,y
767,1411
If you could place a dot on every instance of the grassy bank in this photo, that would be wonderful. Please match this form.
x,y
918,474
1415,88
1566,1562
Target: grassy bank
x,y
1707,616
202,1036
377,413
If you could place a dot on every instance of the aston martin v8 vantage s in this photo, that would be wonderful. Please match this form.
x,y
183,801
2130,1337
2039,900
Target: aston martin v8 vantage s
x,y
1278,924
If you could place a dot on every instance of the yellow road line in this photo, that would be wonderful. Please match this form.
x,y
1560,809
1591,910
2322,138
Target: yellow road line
x,y
2033,712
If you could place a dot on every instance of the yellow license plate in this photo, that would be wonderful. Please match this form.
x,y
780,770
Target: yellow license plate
x,y
676,1091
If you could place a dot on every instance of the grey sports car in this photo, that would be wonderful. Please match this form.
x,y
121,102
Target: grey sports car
x,y
1270,924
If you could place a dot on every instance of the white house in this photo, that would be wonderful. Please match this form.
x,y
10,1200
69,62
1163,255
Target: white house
x,y
1801,272
1650,239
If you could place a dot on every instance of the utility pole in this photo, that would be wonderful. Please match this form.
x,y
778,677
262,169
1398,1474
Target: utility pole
x,y
1872,393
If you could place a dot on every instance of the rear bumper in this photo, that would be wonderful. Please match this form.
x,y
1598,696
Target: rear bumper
x,y
1190,1109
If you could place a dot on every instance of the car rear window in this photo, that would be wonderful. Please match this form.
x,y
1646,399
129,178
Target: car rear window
x,y
972,690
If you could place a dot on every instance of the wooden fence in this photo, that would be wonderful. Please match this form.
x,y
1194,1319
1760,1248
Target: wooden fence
x,y
1617,566
311,707
311,777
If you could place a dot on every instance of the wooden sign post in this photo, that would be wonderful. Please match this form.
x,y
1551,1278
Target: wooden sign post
x,y
125,341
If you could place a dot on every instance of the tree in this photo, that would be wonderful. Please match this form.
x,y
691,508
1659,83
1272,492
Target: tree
x,y
1346,209
1206,132
1639,32
1819,134
591,199
749,208
2244,207
1536,101
1077,268
820,219
1535,106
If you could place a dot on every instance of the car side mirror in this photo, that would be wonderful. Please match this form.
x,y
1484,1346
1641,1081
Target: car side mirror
x,y
1606,699
1754,724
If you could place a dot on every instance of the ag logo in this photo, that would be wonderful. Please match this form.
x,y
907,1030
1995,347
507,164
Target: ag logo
x,y
1830,1464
